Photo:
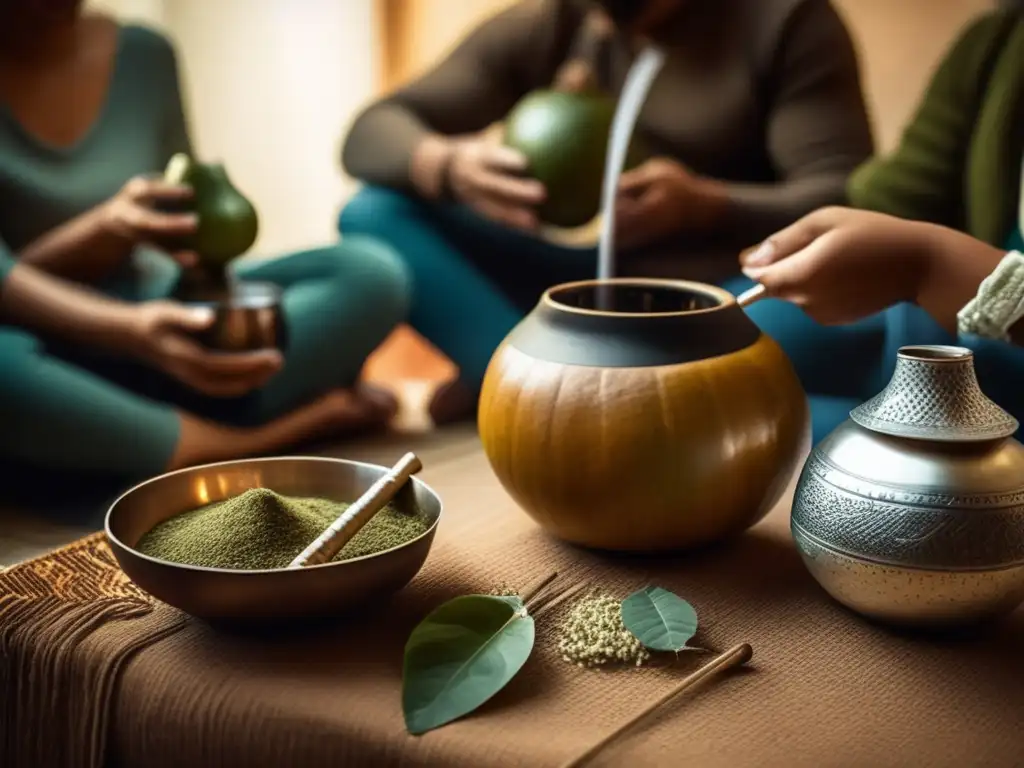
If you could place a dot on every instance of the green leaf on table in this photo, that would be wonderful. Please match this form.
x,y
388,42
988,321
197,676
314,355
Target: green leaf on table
x,y
460,655
659,619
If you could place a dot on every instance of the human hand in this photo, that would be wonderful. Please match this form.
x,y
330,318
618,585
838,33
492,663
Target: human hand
x,y
842,264
487,177
133,215
160,332
661,198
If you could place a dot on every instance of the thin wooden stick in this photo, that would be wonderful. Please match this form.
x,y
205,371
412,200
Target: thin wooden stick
x,y
531,592
734,657
550,606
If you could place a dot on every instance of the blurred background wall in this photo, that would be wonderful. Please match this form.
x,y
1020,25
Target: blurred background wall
x,y
273,84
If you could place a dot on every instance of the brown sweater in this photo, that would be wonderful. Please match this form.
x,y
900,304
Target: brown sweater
x,y
763,94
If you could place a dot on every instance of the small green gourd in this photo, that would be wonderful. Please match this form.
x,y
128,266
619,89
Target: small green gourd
x,y
564,137
228,223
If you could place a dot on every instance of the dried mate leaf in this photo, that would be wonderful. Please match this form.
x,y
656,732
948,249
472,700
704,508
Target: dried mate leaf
x,y
460,655
659,619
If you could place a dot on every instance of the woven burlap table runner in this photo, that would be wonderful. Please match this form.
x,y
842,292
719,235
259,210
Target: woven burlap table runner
x,y
69,622
825,688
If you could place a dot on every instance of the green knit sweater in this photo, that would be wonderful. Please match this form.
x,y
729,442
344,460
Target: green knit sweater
x,y
959,161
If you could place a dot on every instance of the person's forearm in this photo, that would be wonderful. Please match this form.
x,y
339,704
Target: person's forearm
x,y
380,147
760,210
470,89
41,302
419,163
953,266
81,249
428,165
817,126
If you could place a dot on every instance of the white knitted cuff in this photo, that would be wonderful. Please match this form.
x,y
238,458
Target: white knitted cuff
x,y
999,303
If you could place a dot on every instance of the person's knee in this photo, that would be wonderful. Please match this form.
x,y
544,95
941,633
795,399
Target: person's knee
x,y
378,279
376,211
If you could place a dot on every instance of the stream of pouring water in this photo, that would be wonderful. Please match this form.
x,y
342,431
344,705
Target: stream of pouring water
x,y
634,93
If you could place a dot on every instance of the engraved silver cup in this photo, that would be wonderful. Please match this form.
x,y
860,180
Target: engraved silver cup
x,y
912,511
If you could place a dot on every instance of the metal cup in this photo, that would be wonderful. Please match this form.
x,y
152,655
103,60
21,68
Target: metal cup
x,y
247,317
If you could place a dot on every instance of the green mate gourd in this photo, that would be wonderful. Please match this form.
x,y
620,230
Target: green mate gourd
x,y
564,137
228,223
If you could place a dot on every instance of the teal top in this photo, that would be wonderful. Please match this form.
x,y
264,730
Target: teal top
x,y
139,128
66,408
958,162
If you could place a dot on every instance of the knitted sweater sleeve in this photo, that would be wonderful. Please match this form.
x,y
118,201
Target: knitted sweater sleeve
x,y
923,178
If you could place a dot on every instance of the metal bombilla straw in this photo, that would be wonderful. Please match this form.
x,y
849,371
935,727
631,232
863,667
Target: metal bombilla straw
x,y
749,296
634,93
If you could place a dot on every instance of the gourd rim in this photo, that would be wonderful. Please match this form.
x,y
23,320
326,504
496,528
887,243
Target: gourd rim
x,y
722,297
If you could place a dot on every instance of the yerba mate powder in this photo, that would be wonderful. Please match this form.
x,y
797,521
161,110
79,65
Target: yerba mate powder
x,y
261,529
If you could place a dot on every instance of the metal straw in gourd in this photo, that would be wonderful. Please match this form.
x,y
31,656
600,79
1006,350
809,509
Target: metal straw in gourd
x,y
634,93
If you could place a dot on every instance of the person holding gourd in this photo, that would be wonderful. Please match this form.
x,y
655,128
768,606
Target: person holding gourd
x,y
101,370
958,165
756,119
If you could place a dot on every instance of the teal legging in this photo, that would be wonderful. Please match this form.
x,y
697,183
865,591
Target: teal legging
x,y
99,416
474,280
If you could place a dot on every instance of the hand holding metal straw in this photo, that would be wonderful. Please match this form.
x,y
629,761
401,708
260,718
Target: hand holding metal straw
x,y
348,524
755,293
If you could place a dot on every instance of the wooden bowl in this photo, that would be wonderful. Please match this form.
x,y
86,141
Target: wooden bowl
x,y
666,421
232,595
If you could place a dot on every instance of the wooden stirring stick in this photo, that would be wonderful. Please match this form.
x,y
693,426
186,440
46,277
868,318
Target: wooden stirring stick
x,y
349,522
535,589
734,657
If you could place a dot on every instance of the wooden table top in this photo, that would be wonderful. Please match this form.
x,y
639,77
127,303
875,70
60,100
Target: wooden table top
x,y
824,688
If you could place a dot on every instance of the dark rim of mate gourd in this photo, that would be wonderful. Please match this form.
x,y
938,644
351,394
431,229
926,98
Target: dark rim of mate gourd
x,y
651,322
